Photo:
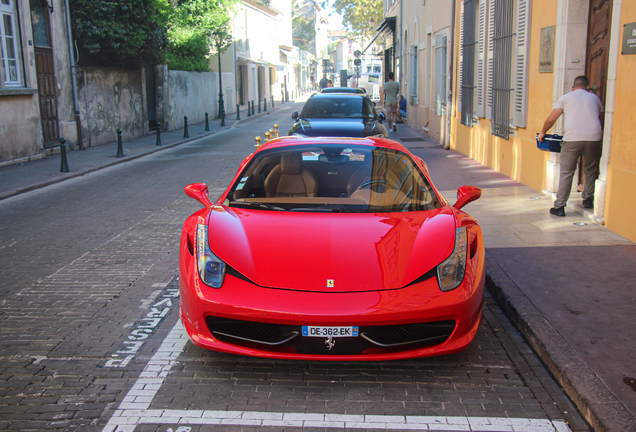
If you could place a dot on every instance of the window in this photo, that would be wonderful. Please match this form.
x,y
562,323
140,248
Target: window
x,y
467,61
501,82
498,69
413,64
440,73
9,44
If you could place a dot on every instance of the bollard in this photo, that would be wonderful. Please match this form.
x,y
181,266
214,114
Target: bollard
x,y
185,127
259,105
253,112
258,142
158,134
64,162
238,112
120,149
272,100
282,97
249,114
265,104
276,130
207,123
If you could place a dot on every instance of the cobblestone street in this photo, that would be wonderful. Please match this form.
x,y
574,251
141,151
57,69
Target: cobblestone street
x,y
90,336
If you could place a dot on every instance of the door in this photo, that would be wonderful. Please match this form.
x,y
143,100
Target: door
x,y
598,40
45,71
597,53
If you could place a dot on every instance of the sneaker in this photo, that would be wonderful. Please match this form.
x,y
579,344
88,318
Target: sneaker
x,y
558,211
394,128
588,203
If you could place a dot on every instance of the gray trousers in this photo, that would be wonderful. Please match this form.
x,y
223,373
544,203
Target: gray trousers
x,y
570,152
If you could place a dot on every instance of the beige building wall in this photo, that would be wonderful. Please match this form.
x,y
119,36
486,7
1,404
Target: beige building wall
x,y
620,205
518,156
20,124
422,23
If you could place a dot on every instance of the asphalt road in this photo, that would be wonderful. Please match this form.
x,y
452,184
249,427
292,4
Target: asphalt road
x,y
90,339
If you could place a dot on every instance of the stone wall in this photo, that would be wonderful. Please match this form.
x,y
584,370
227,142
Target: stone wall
x,y
109,99
190,94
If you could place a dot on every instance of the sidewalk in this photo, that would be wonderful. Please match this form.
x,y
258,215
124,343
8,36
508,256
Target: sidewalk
x,y
569,285
22,177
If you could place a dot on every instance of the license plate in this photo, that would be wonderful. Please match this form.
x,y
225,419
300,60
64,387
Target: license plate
x,y
316,331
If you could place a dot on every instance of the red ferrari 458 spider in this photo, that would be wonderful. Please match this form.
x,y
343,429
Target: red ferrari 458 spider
x,y
332,249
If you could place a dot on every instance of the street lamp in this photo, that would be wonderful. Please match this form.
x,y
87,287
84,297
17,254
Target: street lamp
x,y
221,103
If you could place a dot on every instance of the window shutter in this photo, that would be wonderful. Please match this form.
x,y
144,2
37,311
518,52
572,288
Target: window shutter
x,y
490,64
481,52
460,79
520,104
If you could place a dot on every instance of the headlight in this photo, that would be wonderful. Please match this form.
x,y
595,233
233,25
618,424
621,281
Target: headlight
x,y
211,268
450,273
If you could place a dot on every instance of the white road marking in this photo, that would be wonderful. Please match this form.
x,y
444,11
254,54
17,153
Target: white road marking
x,y
135,409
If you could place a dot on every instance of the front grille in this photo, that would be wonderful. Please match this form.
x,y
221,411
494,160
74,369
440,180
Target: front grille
x,y
392,338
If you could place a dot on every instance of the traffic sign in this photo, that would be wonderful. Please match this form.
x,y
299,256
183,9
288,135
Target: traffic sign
x,y
357,53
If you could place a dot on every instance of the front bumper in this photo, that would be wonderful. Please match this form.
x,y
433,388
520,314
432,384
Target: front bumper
x,y
239,300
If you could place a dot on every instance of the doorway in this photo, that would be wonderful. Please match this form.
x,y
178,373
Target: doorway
x,y
45,71
597,54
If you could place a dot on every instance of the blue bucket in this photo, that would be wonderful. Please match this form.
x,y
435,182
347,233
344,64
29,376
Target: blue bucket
x,y
552,143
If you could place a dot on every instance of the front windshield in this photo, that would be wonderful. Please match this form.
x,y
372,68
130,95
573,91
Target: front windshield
x,y
338,107
334,178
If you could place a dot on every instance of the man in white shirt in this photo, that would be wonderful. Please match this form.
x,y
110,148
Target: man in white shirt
x,y
583,135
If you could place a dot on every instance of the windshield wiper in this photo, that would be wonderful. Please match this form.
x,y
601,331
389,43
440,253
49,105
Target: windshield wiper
x,y
255,204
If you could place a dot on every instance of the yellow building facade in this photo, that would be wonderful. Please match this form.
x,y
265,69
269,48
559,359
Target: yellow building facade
x,y
503,93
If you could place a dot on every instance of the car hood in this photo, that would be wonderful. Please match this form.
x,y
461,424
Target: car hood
x,y
357,252
341,127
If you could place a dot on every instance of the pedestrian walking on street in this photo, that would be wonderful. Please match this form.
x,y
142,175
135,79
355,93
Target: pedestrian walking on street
x,y
583,135
391,90
323,81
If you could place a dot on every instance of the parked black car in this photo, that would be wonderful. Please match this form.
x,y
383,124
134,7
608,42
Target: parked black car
x,y
339,114
343,90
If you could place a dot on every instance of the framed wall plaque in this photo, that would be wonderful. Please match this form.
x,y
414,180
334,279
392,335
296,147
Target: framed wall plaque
x,y
546,55
629,39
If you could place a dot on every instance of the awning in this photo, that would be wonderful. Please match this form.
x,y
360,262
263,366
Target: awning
x,y
260,62
385,30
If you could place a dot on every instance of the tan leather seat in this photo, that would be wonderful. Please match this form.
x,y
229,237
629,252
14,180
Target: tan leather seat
x,y
291,179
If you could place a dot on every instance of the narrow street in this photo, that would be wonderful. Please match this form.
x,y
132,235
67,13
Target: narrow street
x,y
91,341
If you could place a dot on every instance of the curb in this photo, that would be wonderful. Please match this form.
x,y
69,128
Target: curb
x,y
597,404
12,193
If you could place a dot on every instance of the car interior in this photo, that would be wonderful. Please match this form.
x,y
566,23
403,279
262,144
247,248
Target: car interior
x,y
310,177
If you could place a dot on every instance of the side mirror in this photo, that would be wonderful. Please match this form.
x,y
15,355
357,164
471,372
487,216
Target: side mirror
x,y
382,116
465,195
199,192
295,115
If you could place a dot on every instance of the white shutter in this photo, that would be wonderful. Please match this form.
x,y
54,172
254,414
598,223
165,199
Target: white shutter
x,y
481,53
460,78
520,96
490,58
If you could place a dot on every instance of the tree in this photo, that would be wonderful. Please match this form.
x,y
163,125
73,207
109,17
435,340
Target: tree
x,y
357,16
196,27
303,24
128,33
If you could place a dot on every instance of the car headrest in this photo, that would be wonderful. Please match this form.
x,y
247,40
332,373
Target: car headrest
x,y
291,163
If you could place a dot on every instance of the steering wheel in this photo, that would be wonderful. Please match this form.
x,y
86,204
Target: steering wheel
x,y
376,185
